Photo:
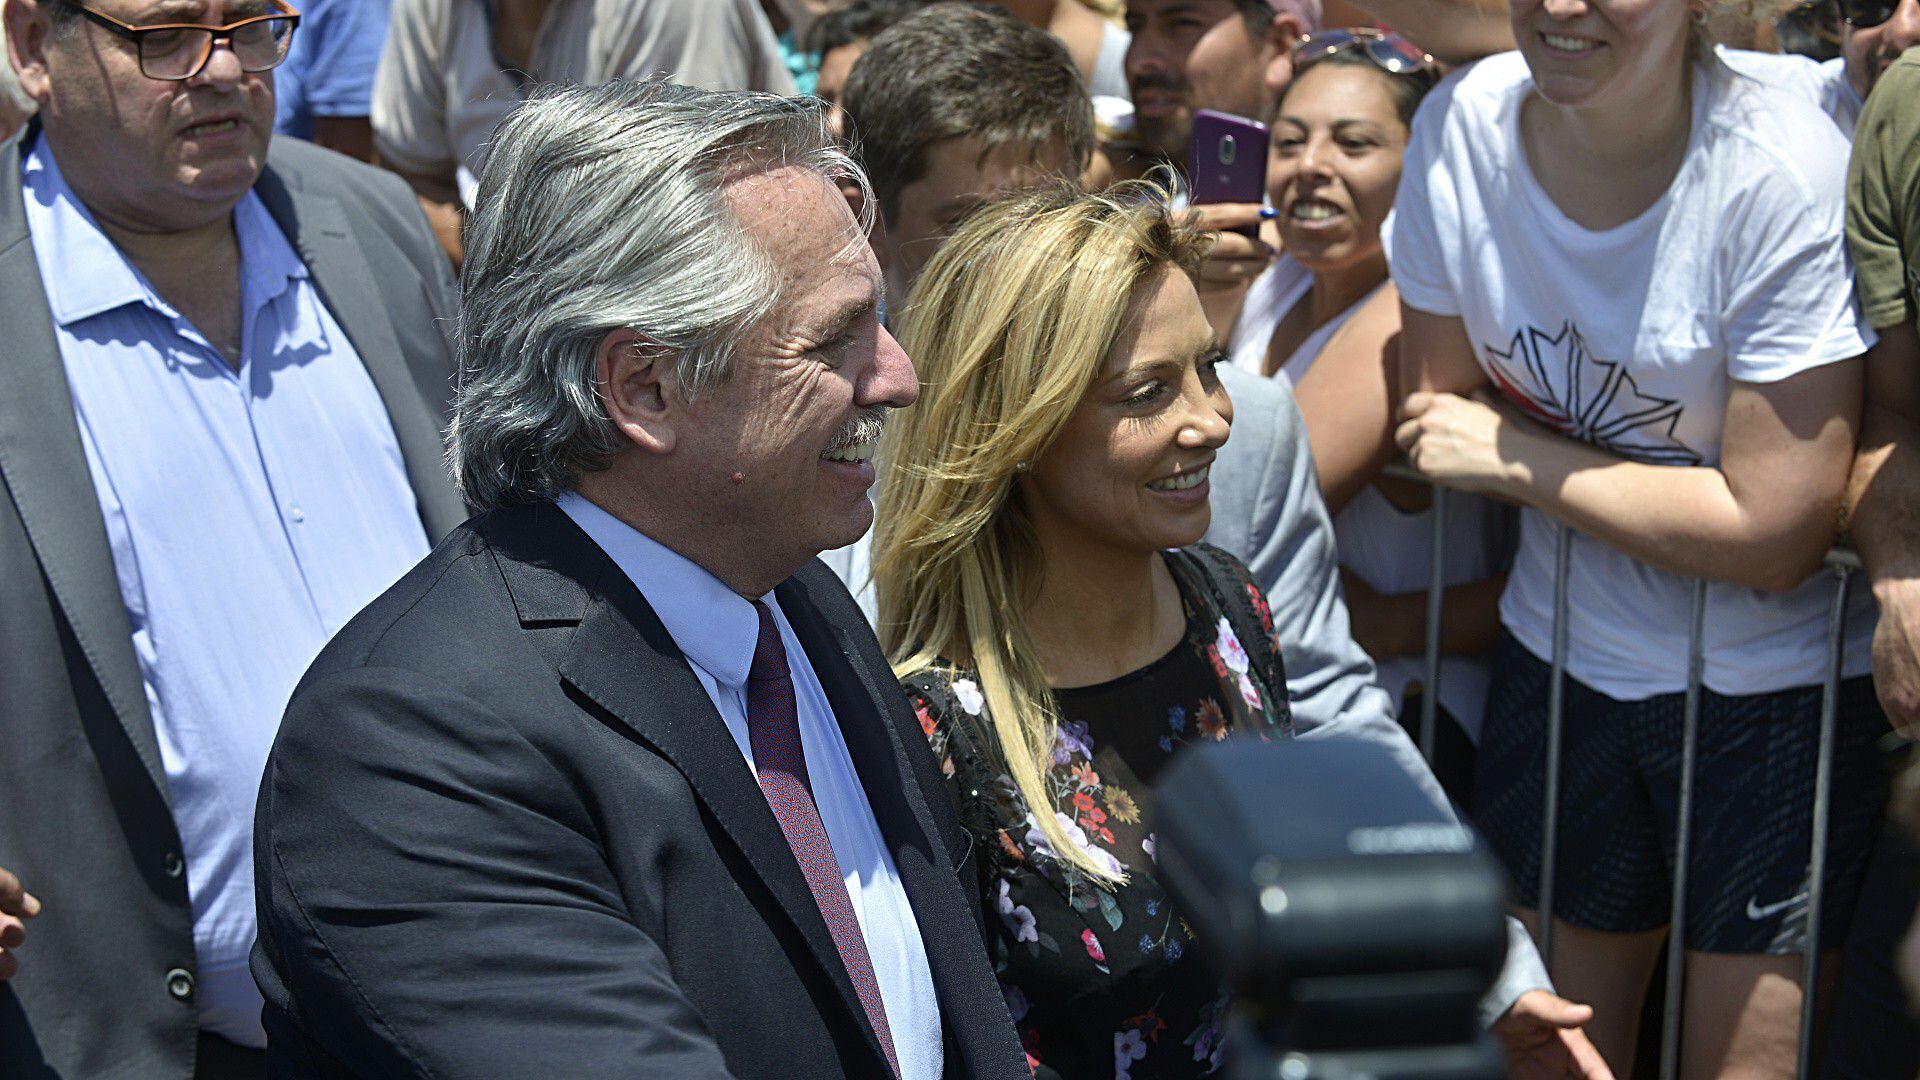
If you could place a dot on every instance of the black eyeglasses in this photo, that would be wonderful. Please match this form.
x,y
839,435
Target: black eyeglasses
x,y
175,52
1390,52
1865,14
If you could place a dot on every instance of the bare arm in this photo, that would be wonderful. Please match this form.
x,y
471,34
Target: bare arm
x,y
349,135
1350,397
1455,31
1883,515
441,203
1394,626
1763,518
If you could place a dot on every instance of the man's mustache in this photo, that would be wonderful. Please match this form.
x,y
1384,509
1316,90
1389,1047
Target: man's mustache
x,y
869,425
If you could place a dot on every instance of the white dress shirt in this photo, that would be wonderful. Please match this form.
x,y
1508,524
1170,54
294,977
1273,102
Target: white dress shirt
x,y
717,629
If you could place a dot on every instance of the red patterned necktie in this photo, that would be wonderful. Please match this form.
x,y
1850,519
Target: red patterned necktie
x,y
773,730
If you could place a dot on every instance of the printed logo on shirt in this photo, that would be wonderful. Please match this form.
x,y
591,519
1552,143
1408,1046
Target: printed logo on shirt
x,y
1555,380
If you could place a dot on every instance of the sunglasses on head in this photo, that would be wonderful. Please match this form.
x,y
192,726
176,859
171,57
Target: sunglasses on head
x,y
1390,52
1865,14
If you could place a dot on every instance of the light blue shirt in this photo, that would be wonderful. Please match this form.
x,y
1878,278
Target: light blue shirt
x,y
717,629
330,63
250,513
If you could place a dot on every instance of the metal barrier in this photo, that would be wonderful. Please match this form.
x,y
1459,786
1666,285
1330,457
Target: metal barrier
x,y
1842,564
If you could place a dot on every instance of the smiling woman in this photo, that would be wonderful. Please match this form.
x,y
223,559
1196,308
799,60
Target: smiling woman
x,y
1044,597
1627,308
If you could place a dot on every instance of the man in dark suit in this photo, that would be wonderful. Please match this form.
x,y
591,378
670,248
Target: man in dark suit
x,y
226,378
617,782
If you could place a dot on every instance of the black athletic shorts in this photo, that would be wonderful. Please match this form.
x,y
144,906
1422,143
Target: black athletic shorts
x,y
1620,796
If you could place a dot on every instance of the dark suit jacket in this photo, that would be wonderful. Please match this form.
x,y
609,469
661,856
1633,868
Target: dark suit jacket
x,y
105,982
504,833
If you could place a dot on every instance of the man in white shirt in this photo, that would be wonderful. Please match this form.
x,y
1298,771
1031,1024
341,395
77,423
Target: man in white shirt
x,y
618,777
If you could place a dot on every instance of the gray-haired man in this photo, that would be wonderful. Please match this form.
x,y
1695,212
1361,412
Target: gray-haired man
x,y
617,779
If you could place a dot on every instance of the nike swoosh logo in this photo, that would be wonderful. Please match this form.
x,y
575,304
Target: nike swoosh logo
x,y
1755,912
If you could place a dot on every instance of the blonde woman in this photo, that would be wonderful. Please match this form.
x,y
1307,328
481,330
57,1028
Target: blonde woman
x,y
1044,597
1040,599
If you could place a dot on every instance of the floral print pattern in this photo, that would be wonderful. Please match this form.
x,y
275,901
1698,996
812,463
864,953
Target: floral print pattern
x,y
1080,1011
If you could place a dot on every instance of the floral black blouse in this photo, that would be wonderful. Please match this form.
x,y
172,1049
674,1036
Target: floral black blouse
x,y
1098,981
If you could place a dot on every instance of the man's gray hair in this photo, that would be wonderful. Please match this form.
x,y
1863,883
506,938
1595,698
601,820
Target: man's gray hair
x,y
602,208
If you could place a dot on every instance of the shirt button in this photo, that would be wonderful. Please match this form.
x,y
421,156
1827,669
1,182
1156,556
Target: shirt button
x,y
180,984
173,864
297,514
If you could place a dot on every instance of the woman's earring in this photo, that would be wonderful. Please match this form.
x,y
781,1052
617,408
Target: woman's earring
x,y
1021,466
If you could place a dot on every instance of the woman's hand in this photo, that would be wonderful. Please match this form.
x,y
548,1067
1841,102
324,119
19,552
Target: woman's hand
x,y
1463,442
1232,263
1544,1041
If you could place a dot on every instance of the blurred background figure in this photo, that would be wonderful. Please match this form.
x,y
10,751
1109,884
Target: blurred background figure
x,y
1324,318
840,37
453,68
1092,34
792,20
1873,1032
324,89
951,106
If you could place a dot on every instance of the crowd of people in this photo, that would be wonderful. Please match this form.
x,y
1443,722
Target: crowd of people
x,y
676,536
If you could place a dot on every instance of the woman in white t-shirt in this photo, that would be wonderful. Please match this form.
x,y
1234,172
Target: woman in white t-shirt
x,y
1338,135
1626,306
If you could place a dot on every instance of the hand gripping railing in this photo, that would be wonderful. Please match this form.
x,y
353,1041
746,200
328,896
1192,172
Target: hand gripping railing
x,y
1842,564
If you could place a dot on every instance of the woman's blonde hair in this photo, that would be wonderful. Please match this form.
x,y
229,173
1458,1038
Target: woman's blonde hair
x,y
1009,326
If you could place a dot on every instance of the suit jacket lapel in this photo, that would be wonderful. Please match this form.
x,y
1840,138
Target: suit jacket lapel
x,y
316,225
623,659
871,708
45,471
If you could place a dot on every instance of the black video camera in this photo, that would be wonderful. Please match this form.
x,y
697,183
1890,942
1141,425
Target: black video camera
x,y
1355,922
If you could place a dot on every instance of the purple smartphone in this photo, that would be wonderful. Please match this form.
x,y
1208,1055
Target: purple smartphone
x,y
1227,161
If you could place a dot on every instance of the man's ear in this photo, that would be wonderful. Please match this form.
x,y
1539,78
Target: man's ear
x,y
1276,74
28,34
637,382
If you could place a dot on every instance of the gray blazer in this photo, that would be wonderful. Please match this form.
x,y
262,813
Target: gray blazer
x,y
1267,510
106,981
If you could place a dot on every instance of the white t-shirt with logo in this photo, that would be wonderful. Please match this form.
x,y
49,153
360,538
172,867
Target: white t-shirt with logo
x,y
1628,338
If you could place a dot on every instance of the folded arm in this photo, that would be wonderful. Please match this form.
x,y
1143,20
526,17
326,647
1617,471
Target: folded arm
x,y
1764,517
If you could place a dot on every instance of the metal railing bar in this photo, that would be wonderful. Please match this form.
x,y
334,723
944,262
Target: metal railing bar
x,y
1683,835
1436,603
1822,804
1556,703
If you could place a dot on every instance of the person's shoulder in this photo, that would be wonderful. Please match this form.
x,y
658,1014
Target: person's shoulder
x,y
935,684
1772,138
1800,73
1220,566
1894,94
318,169
435,607
1477,96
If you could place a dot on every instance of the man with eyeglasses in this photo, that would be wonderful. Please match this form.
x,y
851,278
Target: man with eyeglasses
x,y
227,376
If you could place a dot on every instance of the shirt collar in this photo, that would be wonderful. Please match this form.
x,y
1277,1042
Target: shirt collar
x,y
85,275
714,626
